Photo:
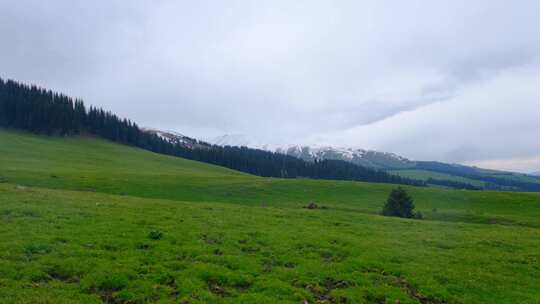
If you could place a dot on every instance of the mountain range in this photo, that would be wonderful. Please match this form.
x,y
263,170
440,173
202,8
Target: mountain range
x,y
431,172
180,139
362,157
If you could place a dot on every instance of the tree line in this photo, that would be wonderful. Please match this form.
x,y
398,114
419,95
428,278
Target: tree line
x,y
46,112
452,184
491,182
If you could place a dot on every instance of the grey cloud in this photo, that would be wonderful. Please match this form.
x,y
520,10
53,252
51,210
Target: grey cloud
x,y
287,71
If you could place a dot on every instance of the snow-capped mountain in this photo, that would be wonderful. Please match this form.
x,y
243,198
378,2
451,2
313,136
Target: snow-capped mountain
x,y
177,138
367,158
240,140
431,171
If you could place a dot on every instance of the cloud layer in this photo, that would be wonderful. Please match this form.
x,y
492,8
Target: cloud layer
x,y
452,81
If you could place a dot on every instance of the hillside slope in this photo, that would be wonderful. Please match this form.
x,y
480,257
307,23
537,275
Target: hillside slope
x,y
93,164
96,165
143,227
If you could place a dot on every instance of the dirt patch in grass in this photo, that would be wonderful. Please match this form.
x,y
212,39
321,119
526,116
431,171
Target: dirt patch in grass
x,y
313,206
212,240
216,288
375,298
60,273
400,282
322,291
223,287
415,293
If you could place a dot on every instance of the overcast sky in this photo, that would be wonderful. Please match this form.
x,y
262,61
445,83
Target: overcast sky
x,y
455,81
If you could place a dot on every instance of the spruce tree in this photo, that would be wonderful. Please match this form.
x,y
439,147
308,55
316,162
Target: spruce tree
x,y
399,204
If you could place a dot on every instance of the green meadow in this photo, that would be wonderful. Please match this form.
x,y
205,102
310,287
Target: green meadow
x,y
84,220
425,175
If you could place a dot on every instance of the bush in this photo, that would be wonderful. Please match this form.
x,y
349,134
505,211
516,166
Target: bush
x,y
399,204
155,235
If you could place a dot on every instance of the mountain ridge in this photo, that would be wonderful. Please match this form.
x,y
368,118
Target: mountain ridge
x,y
432,172
363,157
176,138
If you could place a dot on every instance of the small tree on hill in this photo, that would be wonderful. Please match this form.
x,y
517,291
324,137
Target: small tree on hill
x,y
399,204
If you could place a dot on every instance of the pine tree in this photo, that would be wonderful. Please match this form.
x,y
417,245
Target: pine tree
x,y
399,204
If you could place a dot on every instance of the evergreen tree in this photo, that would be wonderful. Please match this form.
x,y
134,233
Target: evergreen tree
x,y
399,204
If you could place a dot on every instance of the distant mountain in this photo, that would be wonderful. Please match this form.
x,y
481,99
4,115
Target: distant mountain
x,y
366,158
435,173
177,138
536,173
240,140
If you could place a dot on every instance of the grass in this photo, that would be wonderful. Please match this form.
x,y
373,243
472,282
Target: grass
x,y
424,175
83,220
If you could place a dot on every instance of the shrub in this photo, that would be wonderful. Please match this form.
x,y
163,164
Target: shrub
x,y
399,204
155,235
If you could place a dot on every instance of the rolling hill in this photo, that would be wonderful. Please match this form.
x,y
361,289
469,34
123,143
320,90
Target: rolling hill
x,y
85,220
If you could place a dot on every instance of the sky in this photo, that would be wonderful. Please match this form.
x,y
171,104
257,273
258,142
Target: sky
x,y
454,81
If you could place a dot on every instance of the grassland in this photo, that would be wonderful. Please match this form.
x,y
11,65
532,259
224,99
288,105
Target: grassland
x,y
424,175
482,178
83,220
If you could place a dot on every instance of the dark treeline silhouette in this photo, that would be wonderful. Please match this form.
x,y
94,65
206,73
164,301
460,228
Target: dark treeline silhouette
x,y
492,182
43,111
495,183
452,184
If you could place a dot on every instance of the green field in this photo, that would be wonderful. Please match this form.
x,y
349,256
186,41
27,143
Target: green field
x,y
88,221
424,175
481,178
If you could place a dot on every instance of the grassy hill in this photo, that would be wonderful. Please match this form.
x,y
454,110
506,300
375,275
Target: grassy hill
x,y
84,220
425,175
483,178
